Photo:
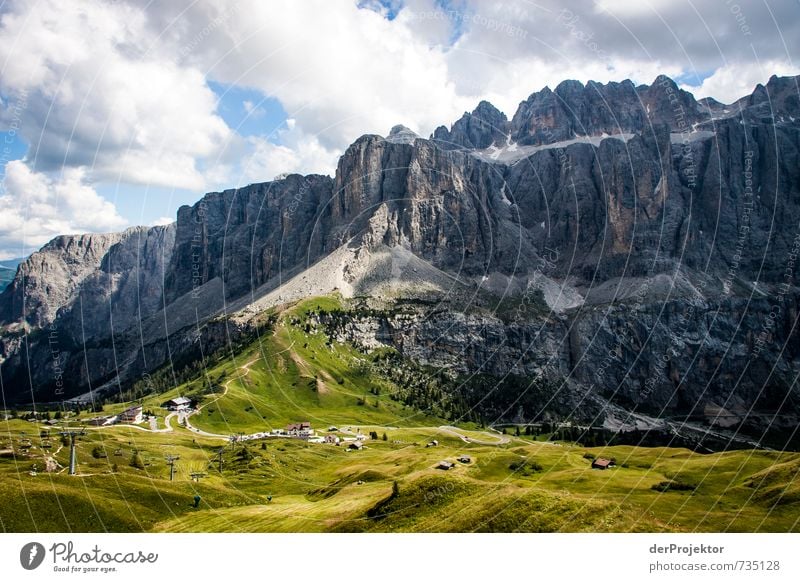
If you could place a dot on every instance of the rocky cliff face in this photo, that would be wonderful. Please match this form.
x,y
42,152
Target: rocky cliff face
x,y
50,279
247,236
662,232
725,362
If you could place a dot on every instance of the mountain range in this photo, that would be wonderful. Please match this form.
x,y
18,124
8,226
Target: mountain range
x,y
620,255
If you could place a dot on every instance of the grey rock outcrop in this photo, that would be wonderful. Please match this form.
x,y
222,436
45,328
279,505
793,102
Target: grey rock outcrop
x,y
484,127
50,278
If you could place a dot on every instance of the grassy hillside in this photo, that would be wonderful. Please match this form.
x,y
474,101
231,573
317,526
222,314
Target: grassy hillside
x,y
522,485
294,373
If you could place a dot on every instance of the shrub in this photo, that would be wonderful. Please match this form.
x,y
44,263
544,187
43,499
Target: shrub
x,y
665,486
525,467
137,462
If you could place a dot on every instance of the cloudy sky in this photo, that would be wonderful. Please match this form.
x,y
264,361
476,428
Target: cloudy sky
x,y
116,112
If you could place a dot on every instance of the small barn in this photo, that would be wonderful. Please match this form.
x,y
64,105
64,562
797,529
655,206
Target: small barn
x,y
355,446
179,403
102,421
299,430
132,414
466,459
602,464
445,465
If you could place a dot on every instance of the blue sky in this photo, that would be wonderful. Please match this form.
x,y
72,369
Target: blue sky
x,y
248,111
12,148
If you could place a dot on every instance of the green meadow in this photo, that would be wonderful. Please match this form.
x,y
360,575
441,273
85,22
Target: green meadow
x,y
293,373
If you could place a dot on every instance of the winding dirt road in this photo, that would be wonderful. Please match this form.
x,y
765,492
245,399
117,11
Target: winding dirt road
x,y
500,439
185,416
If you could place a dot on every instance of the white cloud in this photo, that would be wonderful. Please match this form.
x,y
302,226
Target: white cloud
x,y
626,7
100,93
162,220
507,84
34,207
731,82
253,111
509,48
297,152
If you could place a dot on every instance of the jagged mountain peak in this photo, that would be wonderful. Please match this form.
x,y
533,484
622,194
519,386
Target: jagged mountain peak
x,y
781,96
487,110
570,84
575,109
401,134
485,126
664,81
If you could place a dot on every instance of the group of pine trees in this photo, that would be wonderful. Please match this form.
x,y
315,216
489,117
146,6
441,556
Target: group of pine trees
x,y
193,366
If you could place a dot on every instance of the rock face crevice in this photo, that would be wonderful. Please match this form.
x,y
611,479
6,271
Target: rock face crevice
x,y
662,231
